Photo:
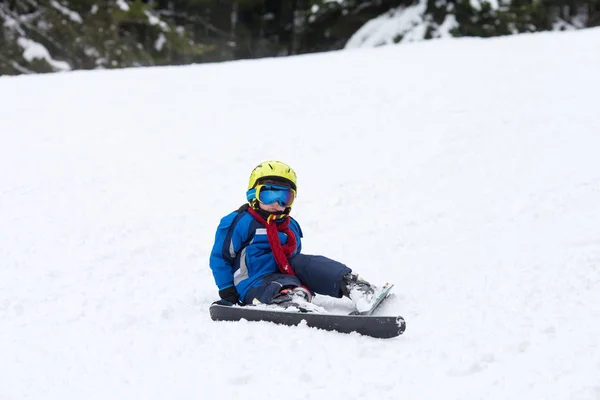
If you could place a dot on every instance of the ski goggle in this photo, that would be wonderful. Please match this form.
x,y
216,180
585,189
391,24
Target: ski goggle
x,y
269,194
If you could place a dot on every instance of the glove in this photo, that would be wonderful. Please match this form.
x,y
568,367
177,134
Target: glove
x,y
229,296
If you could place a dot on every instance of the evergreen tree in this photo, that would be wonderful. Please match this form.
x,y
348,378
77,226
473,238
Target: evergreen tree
x,y
53,35
56,35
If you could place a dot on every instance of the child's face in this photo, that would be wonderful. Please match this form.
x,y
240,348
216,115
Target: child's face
x,y
274,208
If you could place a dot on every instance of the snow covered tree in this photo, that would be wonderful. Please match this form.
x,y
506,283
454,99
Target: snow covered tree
x,y
53,35
58,35
425,19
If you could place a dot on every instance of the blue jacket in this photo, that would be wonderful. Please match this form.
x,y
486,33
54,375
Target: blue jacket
x,y
241,255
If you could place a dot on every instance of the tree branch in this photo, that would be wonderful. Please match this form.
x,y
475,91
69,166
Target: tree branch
x,y
189,18
33,28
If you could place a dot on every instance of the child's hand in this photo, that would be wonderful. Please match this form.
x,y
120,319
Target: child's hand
x,y
229,296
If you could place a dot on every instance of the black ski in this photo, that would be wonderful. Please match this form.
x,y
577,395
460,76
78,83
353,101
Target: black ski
x,y
382,327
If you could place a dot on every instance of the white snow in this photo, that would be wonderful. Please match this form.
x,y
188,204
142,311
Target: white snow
x,y
33,50
444,30
562,25
9,22
409,24
473,185
154,20
123,5
403,24
73,16
160,42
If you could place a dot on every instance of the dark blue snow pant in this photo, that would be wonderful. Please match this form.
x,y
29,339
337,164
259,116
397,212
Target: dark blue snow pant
x,y
319,274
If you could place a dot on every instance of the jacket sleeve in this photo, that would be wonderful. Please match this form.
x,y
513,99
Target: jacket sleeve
x,y
229,238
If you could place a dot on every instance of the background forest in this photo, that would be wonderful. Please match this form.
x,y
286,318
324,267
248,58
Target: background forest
x,y
57,35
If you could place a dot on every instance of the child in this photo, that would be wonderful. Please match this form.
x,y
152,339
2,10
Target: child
x,y
257,255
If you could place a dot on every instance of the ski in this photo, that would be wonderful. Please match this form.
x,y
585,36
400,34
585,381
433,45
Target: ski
x,y
381,327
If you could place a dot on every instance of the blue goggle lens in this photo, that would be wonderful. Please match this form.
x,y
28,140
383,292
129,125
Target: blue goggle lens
x,y
269,194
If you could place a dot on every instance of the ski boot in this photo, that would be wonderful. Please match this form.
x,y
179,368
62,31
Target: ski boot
x,y
363,294
299,298
292,294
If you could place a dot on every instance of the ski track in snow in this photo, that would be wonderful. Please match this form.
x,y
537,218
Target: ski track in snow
x,y
464,171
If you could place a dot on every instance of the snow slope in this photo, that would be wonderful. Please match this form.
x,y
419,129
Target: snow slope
x,y
465,171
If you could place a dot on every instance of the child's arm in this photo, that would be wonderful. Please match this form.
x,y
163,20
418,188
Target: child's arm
x,y
228,240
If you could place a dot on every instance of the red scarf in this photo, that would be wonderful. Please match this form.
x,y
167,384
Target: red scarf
x,y
281,252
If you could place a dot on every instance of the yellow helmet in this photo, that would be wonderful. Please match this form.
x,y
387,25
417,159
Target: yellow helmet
x,y
275,170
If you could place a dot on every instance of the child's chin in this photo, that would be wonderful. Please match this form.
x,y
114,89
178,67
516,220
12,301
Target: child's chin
x,y
274,210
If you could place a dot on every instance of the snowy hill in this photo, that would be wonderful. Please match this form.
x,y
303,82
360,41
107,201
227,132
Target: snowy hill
x,y
464,171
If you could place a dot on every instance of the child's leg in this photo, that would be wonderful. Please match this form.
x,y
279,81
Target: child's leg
x,y
270,287
320,274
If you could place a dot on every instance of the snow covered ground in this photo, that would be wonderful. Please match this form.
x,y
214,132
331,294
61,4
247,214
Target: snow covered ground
x,y
466,171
